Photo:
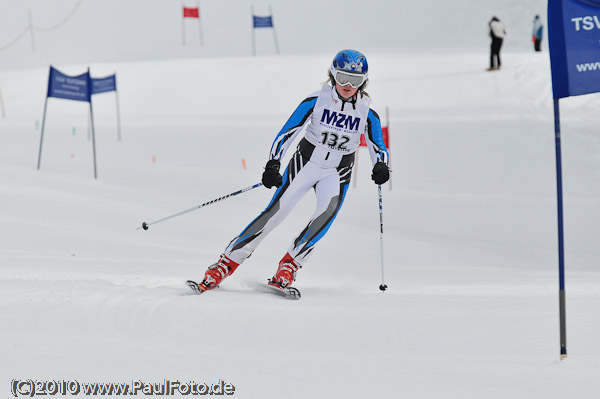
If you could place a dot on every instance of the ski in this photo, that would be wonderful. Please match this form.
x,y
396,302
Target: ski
x,y
287,292
194,286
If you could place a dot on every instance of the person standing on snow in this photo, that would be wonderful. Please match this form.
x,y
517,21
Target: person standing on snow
x,y
538,29
497,33
335,117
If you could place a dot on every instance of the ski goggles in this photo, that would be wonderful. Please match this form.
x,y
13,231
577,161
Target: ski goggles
x,y
345,78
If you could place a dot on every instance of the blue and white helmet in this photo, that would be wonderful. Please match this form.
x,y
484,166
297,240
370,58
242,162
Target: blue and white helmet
x,y
350,67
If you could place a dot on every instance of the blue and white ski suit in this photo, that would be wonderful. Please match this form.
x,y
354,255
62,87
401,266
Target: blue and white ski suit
x,y
323,160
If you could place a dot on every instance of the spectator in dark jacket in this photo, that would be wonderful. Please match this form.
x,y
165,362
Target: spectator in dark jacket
x,y
538,30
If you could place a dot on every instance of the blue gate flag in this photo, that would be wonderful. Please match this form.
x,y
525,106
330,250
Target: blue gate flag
x,y
102,85
263,22
574,40
69,87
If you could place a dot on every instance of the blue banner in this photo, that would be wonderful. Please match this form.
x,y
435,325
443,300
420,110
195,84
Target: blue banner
x,y
69,87
263,22
574,40
102,85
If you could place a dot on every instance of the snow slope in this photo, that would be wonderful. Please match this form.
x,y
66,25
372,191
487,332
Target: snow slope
x,y
113,30
470,248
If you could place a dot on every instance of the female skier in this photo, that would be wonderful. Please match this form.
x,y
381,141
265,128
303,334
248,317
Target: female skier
x,y
335,116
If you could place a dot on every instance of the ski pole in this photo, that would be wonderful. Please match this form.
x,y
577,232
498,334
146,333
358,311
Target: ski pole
x,y
243,190
383,286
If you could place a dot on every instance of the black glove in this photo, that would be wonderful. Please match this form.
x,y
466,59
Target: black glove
x,y
271,176
381,173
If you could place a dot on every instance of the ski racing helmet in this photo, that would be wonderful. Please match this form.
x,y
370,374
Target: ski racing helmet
x,y
350,67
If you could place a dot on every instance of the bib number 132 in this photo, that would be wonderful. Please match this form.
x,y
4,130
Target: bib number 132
x,y
335,140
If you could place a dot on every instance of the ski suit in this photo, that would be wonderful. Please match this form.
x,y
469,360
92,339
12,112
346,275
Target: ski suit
x,y
323,161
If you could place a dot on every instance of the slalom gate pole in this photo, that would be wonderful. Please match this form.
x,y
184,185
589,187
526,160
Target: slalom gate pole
x,y
561,241
383,286
93,133
253,28
42,134
243,190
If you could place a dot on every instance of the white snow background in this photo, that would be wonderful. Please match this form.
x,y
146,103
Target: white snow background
x,y
470,231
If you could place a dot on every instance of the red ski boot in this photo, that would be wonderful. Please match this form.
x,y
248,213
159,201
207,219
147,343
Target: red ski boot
x,y
286,273
217,272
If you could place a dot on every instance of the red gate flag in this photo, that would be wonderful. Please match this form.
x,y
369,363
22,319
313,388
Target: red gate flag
x,y
386,138
191,12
